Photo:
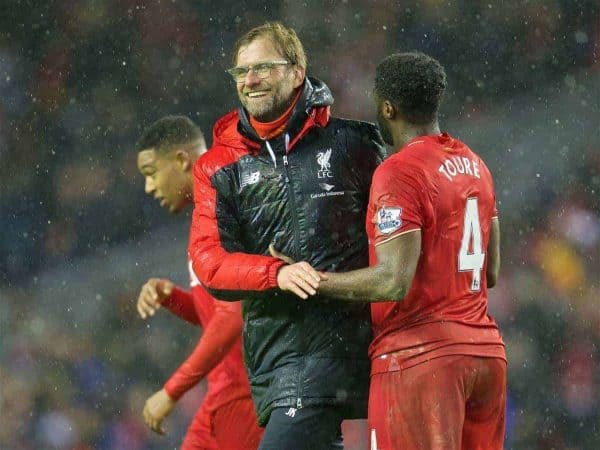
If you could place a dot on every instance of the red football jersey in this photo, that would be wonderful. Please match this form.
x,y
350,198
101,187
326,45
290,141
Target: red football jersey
x,y
438,185
228,379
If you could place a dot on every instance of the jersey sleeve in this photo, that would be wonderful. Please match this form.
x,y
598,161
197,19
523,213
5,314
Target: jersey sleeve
x,y
219,336
396,200
181,303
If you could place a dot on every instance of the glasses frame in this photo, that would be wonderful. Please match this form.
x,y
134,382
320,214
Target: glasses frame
x,y
240,78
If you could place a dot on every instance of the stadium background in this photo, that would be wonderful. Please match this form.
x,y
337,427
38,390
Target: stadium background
x,y
79,80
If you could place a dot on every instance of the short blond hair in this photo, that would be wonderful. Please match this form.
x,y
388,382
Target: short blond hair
x,y
285,40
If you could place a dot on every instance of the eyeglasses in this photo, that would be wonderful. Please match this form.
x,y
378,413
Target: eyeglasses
x,y
262,70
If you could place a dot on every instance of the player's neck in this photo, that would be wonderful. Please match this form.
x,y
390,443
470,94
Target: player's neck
x,y
405,134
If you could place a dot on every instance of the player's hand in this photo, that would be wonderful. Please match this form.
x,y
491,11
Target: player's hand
x,y
157,407
300,278
152,294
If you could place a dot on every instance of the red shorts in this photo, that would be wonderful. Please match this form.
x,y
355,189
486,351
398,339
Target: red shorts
x,y
447,403
232,426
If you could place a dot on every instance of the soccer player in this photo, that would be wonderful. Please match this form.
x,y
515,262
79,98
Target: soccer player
x,y
282,170
438,376
226,419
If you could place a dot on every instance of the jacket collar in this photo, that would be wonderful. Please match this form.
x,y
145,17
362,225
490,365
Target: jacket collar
x,y
312,109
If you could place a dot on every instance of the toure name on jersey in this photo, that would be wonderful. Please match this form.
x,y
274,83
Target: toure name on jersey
x,y
459,165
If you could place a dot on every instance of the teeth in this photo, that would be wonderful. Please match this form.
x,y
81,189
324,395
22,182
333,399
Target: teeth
x,y
256,94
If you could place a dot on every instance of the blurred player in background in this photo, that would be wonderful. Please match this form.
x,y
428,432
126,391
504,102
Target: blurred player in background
x,y
438,376
226,419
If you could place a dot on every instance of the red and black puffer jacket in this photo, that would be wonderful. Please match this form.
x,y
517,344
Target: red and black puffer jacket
x,y
306,191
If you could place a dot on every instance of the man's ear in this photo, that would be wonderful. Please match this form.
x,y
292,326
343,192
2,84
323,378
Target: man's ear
x,y
387,110
299,75
184,159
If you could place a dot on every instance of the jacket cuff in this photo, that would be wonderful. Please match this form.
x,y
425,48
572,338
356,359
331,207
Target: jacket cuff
x,y
273,269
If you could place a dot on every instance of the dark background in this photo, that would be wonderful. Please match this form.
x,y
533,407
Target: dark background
x,y
79,80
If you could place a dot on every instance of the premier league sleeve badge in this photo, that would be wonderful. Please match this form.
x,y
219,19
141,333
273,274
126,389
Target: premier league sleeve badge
x,y
389,219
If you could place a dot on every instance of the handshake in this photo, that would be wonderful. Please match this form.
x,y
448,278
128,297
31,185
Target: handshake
x,y
298,277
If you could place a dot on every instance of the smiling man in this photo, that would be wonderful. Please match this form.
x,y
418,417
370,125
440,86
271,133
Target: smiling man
x,y
226,419
282,170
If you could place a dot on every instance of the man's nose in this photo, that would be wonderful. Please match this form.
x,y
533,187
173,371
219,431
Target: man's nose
x,y
149,186
252,78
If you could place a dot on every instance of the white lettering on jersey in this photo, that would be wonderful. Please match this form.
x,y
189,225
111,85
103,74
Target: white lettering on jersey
x,y
459,165
373,439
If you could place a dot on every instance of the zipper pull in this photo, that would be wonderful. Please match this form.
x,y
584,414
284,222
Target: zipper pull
x,y
285,165
298,403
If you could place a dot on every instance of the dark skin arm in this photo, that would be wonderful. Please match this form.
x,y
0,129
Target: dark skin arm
x,y
392,277
389,280
493,253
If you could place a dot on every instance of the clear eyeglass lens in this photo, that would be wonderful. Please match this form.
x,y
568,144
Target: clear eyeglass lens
x,y
261,70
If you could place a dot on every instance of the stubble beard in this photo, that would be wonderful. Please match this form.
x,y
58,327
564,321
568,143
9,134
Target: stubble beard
x,y
270,108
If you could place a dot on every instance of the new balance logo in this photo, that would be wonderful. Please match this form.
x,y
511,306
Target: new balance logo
x,y
291,412
249,178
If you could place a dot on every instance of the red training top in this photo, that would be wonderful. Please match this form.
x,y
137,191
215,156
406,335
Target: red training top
x,y
438,185
218,354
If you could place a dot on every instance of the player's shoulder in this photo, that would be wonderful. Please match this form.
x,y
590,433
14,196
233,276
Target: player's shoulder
x,y
406,158
398,165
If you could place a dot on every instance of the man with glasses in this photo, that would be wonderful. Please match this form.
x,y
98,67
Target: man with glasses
x,y
282,171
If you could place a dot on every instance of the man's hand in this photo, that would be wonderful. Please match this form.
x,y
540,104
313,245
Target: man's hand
x,y
152,294
300,278
157,407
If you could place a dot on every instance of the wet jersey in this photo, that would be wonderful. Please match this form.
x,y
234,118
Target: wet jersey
x,y
437,185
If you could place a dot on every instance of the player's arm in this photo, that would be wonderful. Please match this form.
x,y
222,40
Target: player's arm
x,y
157,292
219,336
396,194
389,280
215,248
493,251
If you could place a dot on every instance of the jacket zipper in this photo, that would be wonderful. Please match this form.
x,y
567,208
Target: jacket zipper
x,y
292,201
299,381
297,238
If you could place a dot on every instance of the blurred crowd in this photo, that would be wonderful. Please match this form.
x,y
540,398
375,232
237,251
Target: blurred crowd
x,y
80,80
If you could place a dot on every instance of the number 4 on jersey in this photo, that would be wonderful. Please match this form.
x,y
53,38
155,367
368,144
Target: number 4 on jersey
x,y
471,256
373,439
